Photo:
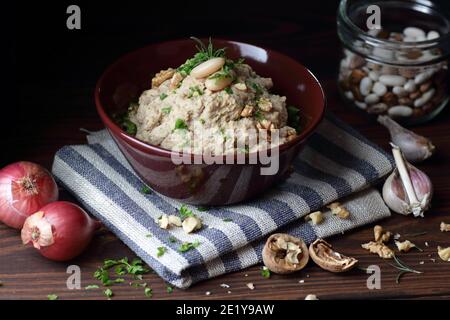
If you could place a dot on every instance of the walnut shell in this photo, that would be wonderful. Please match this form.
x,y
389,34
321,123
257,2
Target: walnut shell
x,y
322,254
276,259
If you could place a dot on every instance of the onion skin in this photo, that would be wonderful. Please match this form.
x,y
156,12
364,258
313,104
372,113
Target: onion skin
x,y
60,231
25,187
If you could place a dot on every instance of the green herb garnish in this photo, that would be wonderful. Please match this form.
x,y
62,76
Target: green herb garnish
x,y
108,293
402,267
163,95
228,90
180,124
148,292
204,53
91,287
265,272
146,190
122,267
202,121
258,89
227,220
294,118
169,289
166,110
202,209
194,91
186,246
161,251
149,235
258,115
185,212
173,239
52,297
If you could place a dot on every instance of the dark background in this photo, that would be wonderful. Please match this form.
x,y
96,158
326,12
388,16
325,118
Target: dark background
x,y
54,70
51,71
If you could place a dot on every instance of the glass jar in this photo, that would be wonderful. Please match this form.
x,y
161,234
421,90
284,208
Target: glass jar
x,y
400,70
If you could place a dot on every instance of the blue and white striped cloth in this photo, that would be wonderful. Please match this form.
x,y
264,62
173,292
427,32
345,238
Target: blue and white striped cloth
x,y
336,163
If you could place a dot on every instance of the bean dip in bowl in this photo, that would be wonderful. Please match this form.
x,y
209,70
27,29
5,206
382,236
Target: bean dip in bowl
x,y
209,123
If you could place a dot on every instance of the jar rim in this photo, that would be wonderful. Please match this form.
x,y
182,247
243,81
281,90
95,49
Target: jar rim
x,y
343,5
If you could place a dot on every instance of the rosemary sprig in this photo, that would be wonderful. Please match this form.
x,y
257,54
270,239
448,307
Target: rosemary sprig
x,y
412,235
402,267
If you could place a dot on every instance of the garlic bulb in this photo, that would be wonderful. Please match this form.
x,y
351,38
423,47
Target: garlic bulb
x,y
415,148
407,190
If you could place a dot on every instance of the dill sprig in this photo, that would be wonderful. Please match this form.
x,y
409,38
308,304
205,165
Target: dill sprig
x,y
204,53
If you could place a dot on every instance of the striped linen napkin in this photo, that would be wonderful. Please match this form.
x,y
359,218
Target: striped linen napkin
x,y
336,163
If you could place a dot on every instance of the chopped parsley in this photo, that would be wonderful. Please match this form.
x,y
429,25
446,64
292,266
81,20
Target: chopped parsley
x,y
52,297
186,246
258,90
163,95
166,110
124,121
265,272
194,91
173,239
91,287
185,212
149,235
294,118
161,251
146,190
169,289
202,209
204,53
148,292
122,267
108,293
227,220
180,124
258,115
202,121
228,90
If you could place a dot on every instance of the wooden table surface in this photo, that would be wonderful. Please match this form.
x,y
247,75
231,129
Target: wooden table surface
x,y
52,115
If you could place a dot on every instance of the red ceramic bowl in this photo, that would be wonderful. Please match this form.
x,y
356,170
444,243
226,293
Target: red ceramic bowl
x,y
203,184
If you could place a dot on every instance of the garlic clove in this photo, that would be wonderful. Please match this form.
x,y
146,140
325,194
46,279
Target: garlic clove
x,y
415,148
407,190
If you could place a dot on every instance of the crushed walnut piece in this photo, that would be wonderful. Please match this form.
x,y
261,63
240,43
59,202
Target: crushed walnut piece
x,y
338,210
379,248
444,253
191,224
380,235
247,111
315,217
404,246
175,81
445,227
165,221
162,76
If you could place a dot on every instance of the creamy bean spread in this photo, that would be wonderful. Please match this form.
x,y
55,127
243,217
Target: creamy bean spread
x,y
210,103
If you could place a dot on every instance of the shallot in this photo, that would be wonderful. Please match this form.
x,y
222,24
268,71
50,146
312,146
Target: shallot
x,y
415,148
60,230
25,187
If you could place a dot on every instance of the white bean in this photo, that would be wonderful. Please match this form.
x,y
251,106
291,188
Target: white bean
x,y
399,91
218,83
207,68
413,32
400,111
379,89
419,102
349,95
383,53
374,75
424,76
371,98
365,86
361,105
392,80
410,86
409,39
433,35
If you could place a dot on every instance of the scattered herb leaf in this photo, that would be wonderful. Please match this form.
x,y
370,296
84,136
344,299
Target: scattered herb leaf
x,y
166,110
180,124
146,190
148,292
185,212
228,90
52,297
91,287
227,220
161,251
265,272
169,289
172,240
186,246
163,95
108,293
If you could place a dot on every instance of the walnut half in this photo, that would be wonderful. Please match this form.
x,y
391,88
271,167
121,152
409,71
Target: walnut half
x,y
380,248
284,253
323,255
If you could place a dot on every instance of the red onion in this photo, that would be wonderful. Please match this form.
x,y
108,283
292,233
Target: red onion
x,y
60,230
24,188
